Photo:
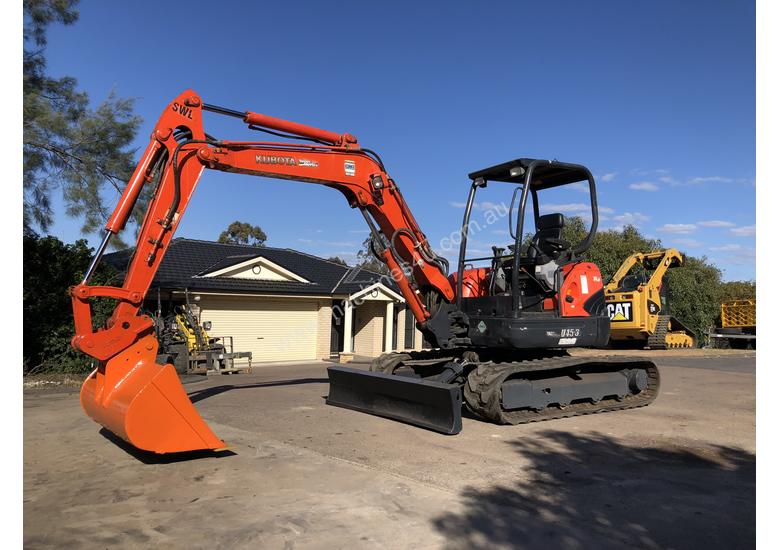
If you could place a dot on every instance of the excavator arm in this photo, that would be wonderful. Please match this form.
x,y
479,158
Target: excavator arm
x,y
144,402
657,262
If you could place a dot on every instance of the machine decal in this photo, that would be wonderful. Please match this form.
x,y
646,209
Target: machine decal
x,y
272,159
349,167
182,110
567,341
308,163
584,284
652,307
620,311
568,332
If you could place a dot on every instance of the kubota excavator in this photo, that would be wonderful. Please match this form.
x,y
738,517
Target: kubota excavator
x,y
498,333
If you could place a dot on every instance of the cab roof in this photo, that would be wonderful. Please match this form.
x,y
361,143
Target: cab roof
x,y
547,173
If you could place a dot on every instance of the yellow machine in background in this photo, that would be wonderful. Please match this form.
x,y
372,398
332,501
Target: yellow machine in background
x,y
185,344
738,325
637,303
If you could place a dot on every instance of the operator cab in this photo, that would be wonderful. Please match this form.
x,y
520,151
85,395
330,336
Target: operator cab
x,y
528,273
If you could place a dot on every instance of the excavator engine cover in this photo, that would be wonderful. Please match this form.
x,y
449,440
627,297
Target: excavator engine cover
x,y
432,405
145,404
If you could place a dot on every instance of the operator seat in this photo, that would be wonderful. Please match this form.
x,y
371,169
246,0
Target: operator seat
x,y
547,243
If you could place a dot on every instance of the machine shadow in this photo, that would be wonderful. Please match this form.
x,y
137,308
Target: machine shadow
x,y
148,457
591,491
205,393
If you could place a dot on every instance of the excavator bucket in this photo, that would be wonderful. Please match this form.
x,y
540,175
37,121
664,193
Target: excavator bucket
x,y
145,404
423,403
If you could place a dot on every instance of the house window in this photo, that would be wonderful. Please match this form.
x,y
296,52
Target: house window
x,y
256,269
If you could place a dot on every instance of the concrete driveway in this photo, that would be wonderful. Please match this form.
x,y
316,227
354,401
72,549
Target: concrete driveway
x,y
677,474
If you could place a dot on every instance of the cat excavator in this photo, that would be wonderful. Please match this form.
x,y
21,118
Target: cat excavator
x,y
498,332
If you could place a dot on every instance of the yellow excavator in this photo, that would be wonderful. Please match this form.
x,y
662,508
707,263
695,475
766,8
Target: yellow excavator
x,y
637,303
185,344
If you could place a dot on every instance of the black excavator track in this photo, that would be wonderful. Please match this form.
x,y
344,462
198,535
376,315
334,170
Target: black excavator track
x,y
657,340
424,388
483,388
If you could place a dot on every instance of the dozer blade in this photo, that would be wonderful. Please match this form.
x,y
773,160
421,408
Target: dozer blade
x,y
427,404
145,403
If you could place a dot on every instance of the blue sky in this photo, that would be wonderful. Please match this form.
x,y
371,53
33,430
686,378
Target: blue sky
x,y
656,98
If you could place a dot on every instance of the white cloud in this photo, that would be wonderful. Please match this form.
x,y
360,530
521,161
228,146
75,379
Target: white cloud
x,y
683,228
716,223
630,218
563,208
665,176
691,243
746,231
359,231
577,209
644,172
643,186
609,176
709,179
737,254
581,186
484,205
726,248
326,243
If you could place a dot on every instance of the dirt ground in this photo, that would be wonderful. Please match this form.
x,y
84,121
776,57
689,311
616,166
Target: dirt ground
x,y
677,474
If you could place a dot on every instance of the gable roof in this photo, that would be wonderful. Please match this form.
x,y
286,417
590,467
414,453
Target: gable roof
x,y
243,265
188,261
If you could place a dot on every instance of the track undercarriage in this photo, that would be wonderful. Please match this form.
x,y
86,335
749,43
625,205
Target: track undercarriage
x,y
428,388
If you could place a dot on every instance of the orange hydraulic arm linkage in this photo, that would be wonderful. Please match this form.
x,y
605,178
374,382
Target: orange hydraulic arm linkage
x,y
144,402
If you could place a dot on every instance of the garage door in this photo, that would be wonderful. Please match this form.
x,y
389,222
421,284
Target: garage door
x,y
273,330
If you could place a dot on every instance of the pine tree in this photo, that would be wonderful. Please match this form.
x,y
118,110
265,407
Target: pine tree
x,y
69,146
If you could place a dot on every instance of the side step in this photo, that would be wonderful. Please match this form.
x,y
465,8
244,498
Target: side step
x,y
423,403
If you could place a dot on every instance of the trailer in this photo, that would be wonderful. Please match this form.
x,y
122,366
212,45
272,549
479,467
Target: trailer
x,y
738,325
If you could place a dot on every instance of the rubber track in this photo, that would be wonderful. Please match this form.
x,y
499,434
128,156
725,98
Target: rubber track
x,y
482,391
657,340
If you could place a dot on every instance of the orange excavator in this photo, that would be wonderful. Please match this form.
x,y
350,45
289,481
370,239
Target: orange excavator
x,y
498,333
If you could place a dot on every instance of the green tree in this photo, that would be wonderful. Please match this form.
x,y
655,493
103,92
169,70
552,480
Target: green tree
x,y
738,290
367,260
66,144
338,260
609,248
694,290
50,268
694,294
243,233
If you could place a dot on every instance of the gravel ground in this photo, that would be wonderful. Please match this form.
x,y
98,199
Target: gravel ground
x,y
299,474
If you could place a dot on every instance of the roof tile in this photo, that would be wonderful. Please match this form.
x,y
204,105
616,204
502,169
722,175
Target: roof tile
x,y
188,259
